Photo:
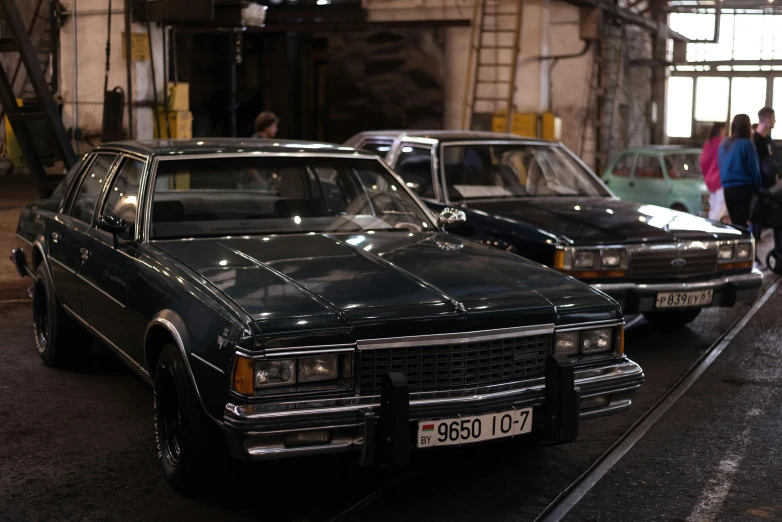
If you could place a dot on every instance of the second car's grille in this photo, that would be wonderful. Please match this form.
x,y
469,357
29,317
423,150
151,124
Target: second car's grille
x,y
666,263
457,365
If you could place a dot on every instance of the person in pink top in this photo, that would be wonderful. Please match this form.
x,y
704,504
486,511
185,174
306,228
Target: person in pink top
x,y
711,171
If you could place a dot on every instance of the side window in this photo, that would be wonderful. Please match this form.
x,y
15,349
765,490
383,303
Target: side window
x,y
624,166
123,194
415,168
648,167
86,197
379,147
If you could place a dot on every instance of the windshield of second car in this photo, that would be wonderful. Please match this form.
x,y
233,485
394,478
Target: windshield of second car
x,y
480,170
684,166
248,195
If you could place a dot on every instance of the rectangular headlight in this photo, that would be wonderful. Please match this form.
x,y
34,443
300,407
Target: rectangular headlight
x,y
611,258
584,259
275,372
566,343
318,368
593,341
725,253
743,251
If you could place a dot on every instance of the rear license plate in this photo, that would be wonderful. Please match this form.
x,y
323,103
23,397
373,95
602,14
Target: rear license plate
x,y
682,299
445,432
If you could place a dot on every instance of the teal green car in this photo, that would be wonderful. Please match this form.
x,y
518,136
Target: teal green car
x,y
660,175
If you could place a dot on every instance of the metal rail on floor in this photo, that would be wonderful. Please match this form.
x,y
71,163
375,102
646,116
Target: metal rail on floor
x,y
570,497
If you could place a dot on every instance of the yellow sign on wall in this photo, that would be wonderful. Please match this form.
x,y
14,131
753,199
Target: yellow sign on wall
x,y
523,124
139,46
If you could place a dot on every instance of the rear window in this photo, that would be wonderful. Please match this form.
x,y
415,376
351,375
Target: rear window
x,y
684,166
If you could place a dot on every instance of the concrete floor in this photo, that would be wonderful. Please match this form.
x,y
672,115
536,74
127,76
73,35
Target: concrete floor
x,y
79,445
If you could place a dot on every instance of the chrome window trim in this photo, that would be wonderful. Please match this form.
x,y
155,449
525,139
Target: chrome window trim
x,y
99,289
82,177
19,236
431,147
87,161
124,356
122,156
454,338
295,351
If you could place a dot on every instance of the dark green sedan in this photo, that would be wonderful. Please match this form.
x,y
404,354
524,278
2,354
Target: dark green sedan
x,y
287,299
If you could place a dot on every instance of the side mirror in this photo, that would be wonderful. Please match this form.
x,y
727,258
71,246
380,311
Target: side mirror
x,y
112,224
450,217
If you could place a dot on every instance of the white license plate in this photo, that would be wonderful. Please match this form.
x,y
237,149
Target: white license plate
x,y
681,299
445,432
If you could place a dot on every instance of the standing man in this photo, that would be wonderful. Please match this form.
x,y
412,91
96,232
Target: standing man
x,y
769,166
266,125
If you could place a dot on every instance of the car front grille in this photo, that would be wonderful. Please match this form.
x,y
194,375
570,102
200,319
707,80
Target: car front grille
x,y
659,263
456,365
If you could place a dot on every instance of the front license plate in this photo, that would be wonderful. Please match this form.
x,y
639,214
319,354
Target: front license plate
x,y
445,432
681,299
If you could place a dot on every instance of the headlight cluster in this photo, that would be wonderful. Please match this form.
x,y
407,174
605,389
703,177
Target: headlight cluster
x,y
592,262
733,255
587,342
331,370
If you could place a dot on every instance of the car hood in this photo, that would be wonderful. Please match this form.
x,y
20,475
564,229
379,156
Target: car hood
x,y
386,284
604,220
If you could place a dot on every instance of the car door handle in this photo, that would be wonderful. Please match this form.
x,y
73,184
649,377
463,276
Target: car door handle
x,y
631,184
85,254
55,237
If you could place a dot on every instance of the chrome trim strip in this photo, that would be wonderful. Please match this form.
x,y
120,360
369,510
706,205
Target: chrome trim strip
x,y
589,326
96,287
626,369
299,353
19,236
283,452
124,356
168,325
62,265
460,337
657,287
354,153
310,349
201,359
612,408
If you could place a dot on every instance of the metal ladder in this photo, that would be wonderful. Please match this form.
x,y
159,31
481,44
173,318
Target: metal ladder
x,y
16,39
491,68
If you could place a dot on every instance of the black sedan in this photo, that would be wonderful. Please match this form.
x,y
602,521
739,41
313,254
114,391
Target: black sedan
x,y
537,199
289,299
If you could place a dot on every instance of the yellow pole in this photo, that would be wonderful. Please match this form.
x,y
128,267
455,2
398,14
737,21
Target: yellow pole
x,y
514,62
473,49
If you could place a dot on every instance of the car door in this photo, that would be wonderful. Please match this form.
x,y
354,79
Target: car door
x,y
68,236
414,166
104,275
619,176
648,181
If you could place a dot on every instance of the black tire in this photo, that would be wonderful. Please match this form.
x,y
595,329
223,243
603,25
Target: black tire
x,y
671,320
61,342
679,207
191,448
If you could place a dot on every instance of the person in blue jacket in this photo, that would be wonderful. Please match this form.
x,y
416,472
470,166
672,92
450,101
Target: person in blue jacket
x,y
739,170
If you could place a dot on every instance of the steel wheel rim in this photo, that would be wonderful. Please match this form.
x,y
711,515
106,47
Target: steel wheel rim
x,y
41,317
171,421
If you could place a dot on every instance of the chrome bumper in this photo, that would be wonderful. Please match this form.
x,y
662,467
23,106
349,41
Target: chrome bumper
x,y
728,290
258,432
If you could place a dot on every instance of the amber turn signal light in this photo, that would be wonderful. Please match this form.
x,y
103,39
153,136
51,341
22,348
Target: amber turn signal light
x,y
559,259
243,375
621,349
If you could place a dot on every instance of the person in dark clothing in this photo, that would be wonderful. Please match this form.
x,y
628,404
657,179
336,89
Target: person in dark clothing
x,y
769,164
266,125
739,170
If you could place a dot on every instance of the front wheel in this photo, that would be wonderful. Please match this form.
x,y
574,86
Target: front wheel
x,y
60,341
671,320
189,445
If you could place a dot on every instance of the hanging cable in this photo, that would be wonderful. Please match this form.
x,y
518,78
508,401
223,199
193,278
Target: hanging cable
x,y
108,50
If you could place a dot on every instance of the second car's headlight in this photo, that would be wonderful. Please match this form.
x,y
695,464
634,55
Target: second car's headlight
x,y
611,258
584,259
275,372
743,251
725,253
318,368
593,341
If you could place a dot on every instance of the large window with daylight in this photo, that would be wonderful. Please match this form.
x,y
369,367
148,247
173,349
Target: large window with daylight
x,y
679,107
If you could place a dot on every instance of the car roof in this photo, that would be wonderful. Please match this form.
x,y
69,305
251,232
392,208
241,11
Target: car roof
x,y
228,146
449,135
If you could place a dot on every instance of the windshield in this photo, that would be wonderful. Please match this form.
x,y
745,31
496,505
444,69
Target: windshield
x,y
684,166
241,195
481,170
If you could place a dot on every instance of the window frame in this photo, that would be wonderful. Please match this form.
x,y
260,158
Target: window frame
x,y
432,163
634,157
660,162
122,157
82,176
378,141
